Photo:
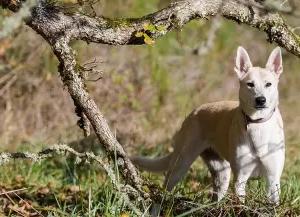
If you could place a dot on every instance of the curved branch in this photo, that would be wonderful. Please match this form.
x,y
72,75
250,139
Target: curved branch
x,y
126,31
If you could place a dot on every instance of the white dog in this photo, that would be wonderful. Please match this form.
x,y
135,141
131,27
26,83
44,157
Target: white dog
x,y
246,137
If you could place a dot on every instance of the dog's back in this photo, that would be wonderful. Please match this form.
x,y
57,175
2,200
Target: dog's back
x,y
206,126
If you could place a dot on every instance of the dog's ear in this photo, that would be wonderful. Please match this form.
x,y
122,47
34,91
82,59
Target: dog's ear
x,y
242,62
274,63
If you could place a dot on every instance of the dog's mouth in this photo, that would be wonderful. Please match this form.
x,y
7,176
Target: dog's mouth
x,y
260,107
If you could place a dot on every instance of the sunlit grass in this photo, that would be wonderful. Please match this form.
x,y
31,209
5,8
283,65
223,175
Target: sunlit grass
x,y
58,187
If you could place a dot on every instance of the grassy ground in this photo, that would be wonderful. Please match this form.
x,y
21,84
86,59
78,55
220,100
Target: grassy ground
x,y
145,93
59,187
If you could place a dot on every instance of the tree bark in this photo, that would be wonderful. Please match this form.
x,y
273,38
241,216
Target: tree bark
x,y
125,31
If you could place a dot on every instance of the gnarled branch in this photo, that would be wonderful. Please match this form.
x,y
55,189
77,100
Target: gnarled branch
x,y
74,82
125,31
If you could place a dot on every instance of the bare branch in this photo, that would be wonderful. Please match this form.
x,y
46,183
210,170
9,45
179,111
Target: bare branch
x,y
46,21
125,31
75,85
87,157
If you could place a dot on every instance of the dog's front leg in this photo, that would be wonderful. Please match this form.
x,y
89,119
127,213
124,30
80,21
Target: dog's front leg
x,y
242,175
273,165
273,189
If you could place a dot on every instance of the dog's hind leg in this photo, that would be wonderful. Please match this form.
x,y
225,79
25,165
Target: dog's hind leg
x,y
181,161
220,172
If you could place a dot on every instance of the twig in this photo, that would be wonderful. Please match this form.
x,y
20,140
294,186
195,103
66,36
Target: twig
x,y
29,205
8,83
13,191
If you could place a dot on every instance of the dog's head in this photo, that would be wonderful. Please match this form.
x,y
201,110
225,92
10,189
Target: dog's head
x,y
258,86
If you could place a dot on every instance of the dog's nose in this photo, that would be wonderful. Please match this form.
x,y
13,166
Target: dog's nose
x,y
260,101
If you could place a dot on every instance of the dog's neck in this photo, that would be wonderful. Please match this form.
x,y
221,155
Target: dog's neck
x,y
249,120
257,116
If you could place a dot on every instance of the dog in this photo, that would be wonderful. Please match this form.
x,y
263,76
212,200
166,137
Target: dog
x,y
245,136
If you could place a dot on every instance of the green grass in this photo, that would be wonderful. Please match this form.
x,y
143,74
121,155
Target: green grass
x,y
59,187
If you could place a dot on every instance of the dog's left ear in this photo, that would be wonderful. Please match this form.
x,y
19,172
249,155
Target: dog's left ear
x,y
274,63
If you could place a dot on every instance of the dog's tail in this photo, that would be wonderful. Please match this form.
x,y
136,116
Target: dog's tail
x,y
157,165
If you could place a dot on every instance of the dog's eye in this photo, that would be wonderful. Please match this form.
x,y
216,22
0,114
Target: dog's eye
x,y
250,84
268,84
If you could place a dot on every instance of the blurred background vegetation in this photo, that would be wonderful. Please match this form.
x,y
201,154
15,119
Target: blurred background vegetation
x,y
145,91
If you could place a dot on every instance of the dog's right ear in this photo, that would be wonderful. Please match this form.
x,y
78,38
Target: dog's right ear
x,y
242,62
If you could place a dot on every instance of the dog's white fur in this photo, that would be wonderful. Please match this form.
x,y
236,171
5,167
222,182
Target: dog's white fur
x,y
220,134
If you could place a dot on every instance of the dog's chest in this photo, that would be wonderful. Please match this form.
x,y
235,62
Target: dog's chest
x,y
260,139
255,141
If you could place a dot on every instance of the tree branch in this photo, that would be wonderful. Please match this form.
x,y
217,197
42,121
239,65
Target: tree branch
x,y
125,31
46,20
61,149
74,83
